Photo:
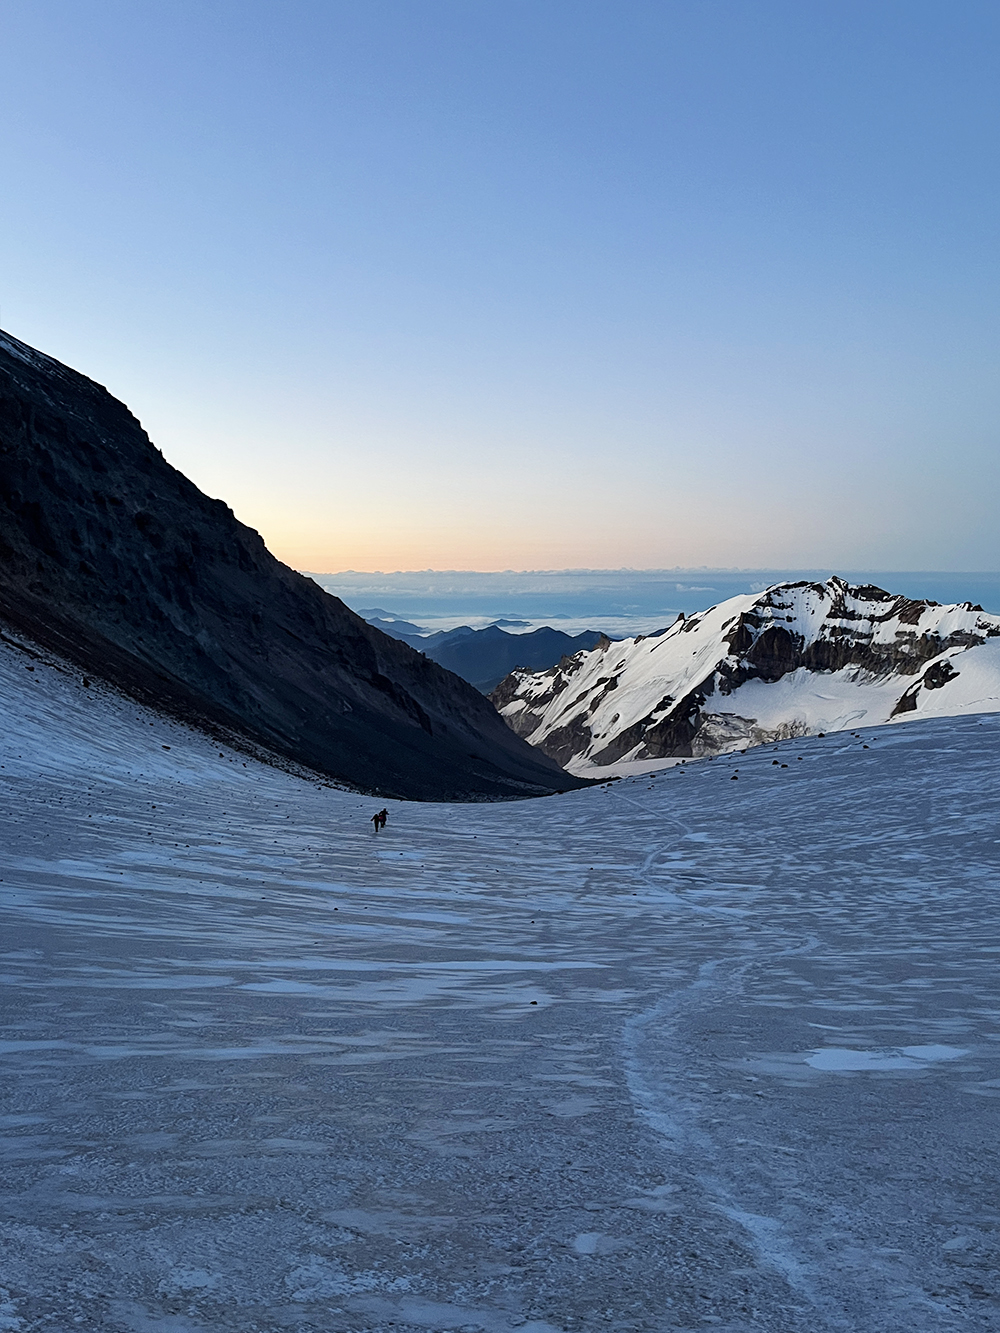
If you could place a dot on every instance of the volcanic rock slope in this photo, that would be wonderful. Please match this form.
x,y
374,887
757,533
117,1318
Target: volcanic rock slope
x,y
113,558
798,659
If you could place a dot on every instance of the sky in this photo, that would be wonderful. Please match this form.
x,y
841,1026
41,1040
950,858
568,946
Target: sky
x,y
465,284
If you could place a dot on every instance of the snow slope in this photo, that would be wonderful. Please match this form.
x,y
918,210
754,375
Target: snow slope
x,y
663,1055
796,660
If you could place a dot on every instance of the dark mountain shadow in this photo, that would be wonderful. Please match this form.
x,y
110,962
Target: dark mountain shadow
x,y
111,557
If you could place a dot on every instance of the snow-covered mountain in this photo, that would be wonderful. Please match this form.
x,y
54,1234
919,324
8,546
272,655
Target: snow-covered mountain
x,y
796,660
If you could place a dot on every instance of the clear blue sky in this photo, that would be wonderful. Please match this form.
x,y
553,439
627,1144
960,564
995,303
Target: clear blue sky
x,y
531,283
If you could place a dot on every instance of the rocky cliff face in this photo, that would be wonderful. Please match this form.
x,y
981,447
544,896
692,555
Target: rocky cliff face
x,y
111,557
799,658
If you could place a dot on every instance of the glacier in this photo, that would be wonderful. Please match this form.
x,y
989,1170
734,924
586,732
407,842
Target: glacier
x,y
715,1048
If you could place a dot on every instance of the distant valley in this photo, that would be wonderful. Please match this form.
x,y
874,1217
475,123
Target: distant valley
x,y
484,657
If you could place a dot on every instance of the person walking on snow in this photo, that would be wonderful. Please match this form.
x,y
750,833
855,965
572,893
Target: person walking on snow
x,y
383,815
377,820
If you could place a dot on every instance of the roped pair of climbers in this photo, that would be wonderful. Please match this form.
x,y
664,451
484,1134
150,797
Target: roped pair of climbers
x,y
379,819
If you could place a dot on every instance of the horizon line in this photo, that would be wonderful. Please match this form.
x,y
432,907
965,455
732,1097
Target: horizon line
x,y
657,569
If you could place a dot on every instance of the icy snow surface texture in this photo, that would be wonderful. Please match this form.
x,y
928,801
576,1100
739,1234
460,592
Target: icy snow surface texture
x,y
796,660
663,1055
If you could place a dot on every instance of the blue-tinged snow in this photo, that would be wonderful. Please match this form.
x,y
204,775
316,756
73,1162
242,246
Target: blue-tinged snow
x,y
674,1053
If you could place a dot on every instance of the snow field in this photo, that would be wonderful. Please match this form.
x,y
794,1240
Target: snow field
x,y
675,1052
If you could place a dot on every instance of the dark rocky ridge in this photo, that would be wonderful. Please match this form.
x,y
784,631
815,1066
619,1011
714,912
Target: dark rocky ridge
x,y
113,558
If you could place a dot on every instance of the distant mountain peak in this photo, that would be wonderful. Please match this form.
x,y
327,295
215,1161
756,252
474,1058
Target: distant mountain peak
x,y
796,658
